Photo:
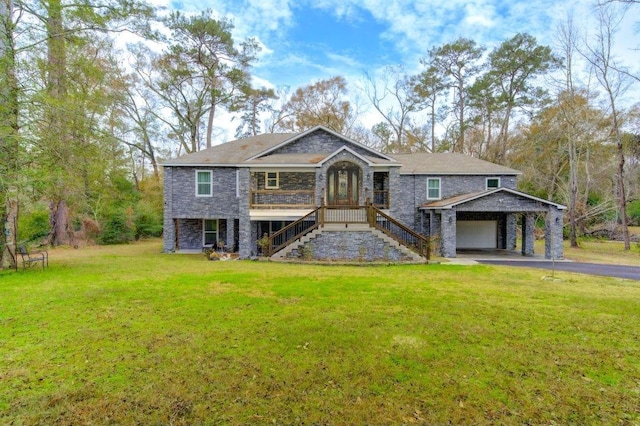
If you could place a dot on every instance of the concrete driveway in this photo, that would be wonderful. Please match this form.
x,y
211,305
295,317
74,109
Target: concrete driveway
x,y
511,258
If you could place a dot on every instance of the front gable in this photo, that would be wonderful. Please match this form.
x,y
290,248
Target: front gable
x,y
496,200
320,140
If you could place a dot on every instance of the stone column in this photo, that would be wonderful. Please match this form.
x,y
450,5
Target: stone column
x,y
512,231
527,234
245,242
230,233
169,230
448,233
321,182
434,231
553,247
395,201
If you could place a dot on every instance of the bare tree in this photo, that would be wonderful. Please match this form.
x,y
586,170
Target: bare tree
x,y
393,96
614,83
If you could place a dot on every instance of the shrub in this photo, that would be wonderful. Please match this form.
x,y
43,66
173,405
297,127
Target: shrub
x,y
147,221
34,225
117,228
633,210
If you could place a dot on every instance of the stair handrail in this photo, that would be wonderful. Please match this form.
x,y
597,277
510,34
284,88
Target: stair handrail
x,y
272,249
422,245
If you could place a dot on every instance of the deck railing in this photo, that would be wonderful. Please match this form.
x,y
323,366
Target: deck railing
x,y
356,214
399,232
282,238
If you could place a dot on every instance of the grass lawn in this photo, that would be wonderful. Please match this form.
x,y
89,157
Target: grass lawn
x,y
126,335
599,251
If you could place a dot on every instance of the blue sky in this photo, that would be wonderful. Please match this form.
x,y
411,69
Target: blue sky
x,y
307,40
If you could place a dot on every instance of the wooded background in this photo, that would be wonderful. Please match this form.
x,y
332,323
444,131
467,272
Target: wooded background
x,y
85,122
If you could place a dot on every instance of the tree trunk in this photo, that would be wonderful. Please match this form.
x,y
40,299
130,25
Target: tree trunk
x,y
59,144
212,113
59,221
9,139
8,257
573,190
622,195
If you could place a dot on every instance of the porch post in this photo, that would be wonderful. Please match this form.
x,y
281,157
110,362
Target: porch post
x,y
527,234
553,247
169,230
512,231
244,230
230,233
448,233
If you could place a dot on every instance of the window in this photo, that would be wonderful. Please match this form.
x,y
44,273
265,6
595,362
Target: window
x,y
272,180
203,183
493,183
433,189
210,232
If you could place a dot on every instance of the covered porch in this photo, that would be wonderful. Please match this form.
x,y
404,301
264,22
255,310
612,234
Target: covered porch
x,y
488,220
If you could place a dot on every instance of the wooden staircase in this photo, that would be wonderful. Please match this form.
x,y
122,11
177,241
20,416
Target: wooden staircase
x,y
368,218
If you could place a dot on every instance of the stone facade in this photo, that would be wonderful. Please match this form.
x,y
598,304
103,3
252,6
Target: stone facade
x,y
322,143
289,181
350,246
232,186
181,204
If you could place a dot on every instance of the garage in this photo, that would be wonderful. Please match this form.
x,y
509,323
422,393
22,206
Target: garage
x,y
477,234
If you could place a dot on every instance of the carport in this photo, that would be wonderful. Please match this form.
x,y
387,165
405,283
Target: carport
x,y
489,219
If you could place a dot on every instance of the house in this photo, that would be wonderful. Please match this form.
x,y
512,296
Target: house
x,y
321,195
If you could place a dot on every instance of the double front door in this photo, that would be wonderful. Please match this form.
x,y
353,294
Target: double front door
x,y
343,183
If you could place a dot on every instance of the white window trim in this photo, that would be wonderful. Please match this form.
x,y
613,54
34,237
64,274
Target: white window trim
x,y
266,181
486,186
439,189
204,232
210,194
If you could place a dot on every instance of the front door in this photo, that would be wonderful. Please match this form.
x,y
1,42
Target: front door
x,y
343,184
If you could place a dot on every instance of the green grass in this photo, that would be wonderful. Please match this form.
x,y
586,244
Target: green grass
x,y
126,335
598,251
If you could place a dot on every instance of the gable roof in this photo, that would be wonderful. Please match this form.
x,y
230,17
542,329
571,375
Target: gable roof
x,y
451,202
231,153
298,136
262,150
449,164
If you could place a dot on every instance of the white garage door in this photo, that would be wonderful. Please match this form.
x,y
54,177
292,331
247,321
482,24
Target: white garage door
x,y
477,234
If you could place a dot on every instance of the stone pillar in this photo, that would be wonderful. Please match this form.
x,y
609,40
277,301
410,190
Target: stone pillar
x,y
321,183
553,248
512,231
395,200
528,237
168,230
230,233
448,233
434,231
245,242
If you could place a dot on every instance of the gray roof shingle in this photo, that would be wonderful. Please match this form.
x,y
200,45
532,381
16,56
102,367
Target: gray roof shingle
x,y
449,164
239,151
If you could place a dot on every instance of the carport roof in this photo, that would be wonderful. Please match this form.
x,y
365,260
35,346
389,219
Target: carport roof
x,y
449,203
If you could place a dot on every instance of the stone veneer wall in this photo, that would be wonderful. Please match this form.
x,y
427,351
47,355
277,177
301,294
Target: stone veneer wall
x,y
180,202
322,143
346,245
289,181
